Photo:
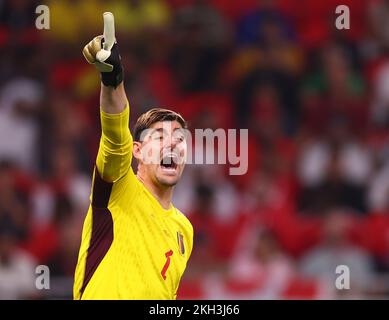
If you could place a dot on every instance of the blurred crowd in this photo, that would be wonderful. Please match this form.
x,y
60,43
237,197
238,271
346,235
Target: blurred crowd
x,y
315,100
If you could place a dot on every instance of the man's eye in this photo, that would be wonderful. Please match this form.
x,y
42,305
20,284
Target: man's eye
x,y
158,137
179,137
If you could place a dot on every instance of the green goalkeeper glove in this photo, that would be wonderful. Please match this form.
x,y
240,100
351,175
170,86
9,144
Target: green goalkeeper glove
x,y
103,52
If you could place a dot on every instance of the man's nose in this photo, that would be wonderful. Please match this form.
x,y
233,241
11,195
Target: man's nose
x,y
171,141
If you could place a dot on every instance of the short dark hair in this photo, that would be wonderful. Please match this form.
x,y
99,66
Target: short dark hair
x,y
147,119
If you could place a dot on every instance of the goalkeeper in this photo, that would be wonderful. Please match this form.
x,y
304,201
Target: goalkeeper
x,y
135,243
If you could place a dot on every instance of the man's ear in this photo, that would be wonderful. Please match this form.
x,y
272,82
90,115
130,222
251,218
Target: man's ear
x,y
137,151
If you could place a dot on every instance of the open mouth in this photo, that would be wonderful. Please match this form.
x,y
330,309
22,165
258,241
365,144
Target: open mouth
x,y
169,162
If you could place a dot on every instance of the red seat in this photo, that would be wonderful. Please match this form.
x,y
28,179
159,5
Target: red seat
x,y
239,286
375,234
191,290
301,288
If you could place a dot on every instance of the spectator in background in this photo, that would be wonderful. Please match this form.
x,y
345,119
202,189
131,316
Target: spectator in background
x,y
334,250
270,180
214,236
261,264
17,14
201,41
378,191
379,109
203,220
268,123
13,202
271,58
335,163
68,227
17,268
19,106
275,49
333,172
339,88
67,127
225,198
66,179
210,26
248,29
378,35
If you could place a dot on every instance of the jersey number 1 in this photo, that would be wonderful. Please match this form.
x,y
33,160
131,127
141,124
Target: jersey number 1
x,y
167,263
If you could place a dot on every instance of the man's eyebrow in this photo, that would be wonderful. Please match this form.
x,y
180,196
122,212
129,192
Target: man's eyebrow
x,y
162,130
153,130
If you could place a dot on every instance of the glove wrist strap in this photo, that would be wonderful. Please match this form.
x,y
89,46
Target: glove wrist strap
x,y
114,78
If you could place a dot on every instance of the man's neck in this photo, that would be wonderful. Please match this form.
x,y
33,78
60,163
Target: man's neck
x,y
162,194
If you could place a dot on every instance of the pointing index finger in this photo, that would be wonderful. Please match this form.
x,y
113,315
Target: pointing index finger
x,y
109,30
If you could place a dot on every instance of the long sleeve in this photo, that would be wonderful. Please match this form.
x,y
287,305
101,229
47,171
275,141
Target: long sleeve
x,y
115,151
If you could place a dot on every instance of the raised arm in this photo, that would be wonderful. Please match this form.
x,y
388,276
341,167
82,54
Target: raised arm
x,y
115,151
113,100
103,52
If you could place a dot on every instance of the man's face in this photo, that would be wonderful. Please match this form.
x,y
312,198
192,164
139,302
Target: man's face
x,y
163,151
